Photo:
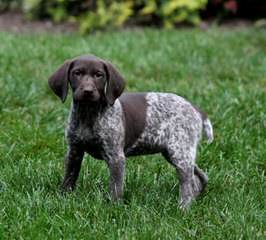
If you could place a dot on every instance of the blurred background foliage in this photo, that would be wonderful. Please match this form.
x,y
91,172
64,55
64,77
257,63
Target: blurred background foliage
x,y
100,14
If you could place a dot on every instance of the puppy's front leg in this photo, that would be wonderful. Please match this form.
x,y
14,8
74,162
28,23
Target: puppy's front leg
x,y
72,167
116,165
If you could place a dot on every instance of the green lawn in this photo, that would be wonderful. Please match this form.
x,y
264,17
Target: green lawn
x,y
221,71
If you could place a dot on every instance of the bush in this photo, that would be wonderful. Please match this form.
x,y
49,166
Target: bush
x,y
99,14
220,9
111,15
228,9
175,11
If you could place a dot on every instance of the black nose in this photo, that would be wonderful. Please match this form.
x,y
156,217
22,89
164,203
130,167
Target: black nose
x,y
88,91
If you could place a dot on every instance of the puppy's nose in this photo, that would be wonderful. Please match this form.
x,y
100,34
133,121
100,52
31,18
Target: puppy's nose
x,y
88,90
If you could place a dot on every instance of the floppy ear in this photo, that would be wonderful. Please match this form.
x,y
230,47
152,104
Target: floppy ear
x,y
58,82
115,83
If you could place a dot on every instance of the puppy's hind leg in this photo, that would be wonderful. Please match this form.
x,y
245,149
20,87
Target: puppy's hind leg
x,y
202,177
183,160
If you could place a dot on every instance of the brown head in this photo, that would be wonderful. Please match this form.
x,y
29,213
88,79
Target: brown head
x,y
91,79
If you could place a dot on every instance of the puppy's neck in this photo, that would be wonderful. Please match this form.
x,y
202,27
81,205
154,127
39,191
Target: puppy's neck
x,y
87,114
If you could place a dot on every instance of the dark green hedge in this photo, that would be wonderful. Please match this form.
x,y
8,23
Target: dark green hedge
x,y
99,14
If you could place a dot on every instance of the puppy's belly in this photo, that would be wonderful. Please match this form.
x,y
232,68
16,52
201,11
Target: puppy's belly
x,y
142,149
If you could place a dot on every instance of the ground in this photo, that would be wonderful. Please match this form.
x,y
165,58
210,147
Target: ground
x,y
221,71
17,22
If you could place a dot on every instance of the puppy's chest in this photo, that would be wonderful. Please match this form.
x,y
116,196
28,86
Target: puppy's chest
x,y
85,134
89,138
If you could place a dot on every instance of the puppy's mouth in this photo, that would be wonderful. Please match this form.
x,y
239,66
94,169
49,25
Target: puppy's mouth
x,y
87,98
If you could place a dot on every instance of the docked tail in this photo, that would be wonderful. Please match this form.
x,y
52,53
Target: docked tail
x,y
207,129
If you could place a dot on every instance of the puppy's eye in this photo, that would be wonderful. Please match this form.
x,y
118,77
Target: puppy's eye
x,y
98,74
77,73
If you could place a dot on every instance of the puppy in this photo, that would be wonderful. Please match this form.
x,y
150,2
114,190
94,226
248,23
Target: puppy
x,y
111,126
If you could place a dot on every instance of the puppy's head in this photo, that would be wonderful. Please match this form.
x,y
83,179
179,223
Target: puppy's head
x,y
91,79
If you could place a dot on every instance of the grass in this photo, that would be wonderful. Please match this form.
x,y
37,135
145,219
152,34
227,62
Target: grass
x,y
221,71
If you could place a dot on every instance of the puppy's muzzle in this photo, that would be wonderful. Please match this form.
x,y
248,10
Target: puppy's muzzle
x,y
86,94
88,91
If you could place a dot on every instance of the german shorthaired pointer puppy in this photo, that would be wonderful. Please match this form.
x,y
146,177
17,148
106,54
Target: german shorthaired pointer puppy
x,y
110,125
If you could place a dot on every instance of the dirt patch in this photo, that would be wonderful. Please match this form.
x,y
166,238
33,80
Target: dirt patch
x,y
16,22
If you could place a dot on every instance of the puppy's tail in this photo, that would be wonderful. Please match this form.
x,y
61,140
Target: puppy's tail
x,y
208,130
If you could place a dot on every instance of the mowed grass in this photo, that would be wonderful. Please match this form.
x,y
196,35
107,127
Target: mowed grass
x,y
221,71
